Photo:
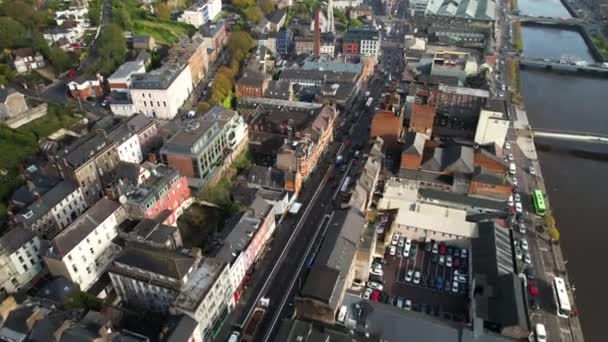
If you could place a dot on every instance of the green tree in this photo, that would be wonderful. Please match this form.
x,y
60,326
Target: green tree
x,y
122,17
354,22
82,300
267,6
549,220
12,34
21,12
553,233
94,12
204,106
239,43
242,4
59,59
253,14
6,74
111,49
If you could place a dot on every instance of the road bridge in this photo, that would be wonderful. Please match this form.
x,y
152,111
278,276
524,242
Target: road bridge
x,y
549,20
564,66
591,137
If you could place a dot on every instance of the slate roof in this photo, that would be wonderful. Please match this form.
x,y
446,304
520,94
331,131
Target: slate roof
x,y
414,143
492,251
458,159
465,9
70,237
167,263
268,177
502,301
48,201
13,239
487,176
278,90
161,78
434,195
182,329
335,257
433,159
5,92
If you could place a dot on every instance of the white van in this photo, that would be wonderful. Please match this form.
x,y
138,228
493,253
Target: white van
x,y
342,313
540,332
512,168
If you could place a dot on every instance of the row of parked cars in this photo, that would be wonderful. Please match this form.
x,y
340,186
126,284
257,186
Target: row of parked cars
x,y
402,246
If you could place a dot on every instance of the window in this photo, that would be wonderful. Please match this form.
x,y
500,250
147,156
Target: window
x,y
164,104
91,250
149,95
158,103
151,103
74,268
20,259
25,267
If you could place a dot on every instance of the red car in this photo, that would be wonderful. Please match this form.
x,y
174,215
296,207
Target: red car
x,y
456,263
532,287
443,248
375,296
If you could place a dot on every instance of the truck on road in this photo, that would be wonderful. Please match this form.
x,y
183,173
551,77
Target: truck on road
x,y
253,325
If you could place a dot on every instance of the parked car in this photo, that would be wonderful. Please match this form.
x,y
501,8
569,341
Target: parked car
x,y
417,277
510,156
531,170
377,271
375,286
510,201
401,242
379,260
448,261
464,252
518,254
443,249
392,251
532,287
408,276
517,197
399,302
367,293
395,239
524,244
435,258
439,283
455,287
518,208
456,263
507,145
428,247
435,249
408,304
441,259
456,252
527,259
522,228
450,250
530,274
534,303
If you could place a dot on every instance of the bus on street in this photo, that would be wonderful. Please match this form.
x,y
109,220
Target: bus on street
x,y
562,300
538,198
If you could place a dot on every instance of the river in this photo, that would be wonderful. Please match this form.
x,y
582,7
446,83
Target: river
x,y
574,172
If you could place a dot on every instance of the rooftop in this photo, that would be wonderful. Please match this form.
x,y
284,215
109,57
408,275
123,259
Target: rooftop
x,y
446,198
333,67
358,34
161,78
210,29
127,69
71,236
49,200
446,89
14,238
280,90
436,218
160,177
324,76
5,92
267,177
199,131
171,264
84,148
199,283
449,60
464,9
492,250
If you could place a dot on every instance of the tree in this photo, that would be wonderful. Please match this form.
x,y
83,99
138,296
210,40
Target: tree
x,y
12,34
204,106
354,22
163,11
239,43
6,74
549,220
21,12
122,17
94,12
253,14
242,4
267,6
82,300
111,49
553,233
59,59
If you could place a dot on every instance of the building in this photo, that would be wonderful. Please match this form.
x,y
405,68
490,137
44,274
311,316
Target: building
x,y
422,116
328,44
364,187
280,90
492,128
304,44
161,92
299,156
252,84
142,42
26,59
215,36
120,80
362,11
146,130
54,210
312,77
284,41
151,232
426,221
344,4
20,260
90,162
204,145
207,297
12,103
490,157
462,10
453,64
84,250
387,125
84,88
498,300
276,19
361,42
244,244
151,278
127,144
489,184
333,269
201,12
162,189
193,52
474,206
267,183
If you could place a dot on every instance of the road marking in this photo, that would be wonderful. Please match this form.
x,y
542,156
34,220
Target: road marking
x,y
293,281
264,289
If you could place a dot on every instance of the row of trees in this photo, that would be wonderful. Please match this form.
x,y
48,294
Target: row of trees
x,y
111,49
254,11
239,44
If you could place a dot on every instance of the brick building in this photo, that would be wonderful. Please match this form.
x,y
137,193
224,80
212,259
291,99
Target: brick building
x,y
252,84
387,125
487,183
490,157
84,87
423,113
193,52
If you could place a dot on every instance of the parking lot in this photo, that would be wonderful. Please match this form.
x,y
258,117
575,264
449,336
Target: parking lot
x,y
425,295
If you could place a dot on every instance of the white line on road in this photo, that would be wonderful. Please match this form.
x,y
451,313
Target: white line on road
x,y
309,206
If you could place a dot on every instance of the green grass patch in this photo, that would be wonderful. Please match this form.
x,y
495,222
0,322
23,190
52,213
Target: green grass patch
x,y
601,44
164,32
16,145
518,42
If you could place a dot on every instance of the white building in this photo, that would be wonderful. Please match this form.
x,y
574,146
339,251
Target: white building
x,y
418,7
127,144
161,92
84,250
370,47
120,80
492,128
27,59
207,297
201,12
344,4
54,210
20,259
328,48
151,278
425,222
